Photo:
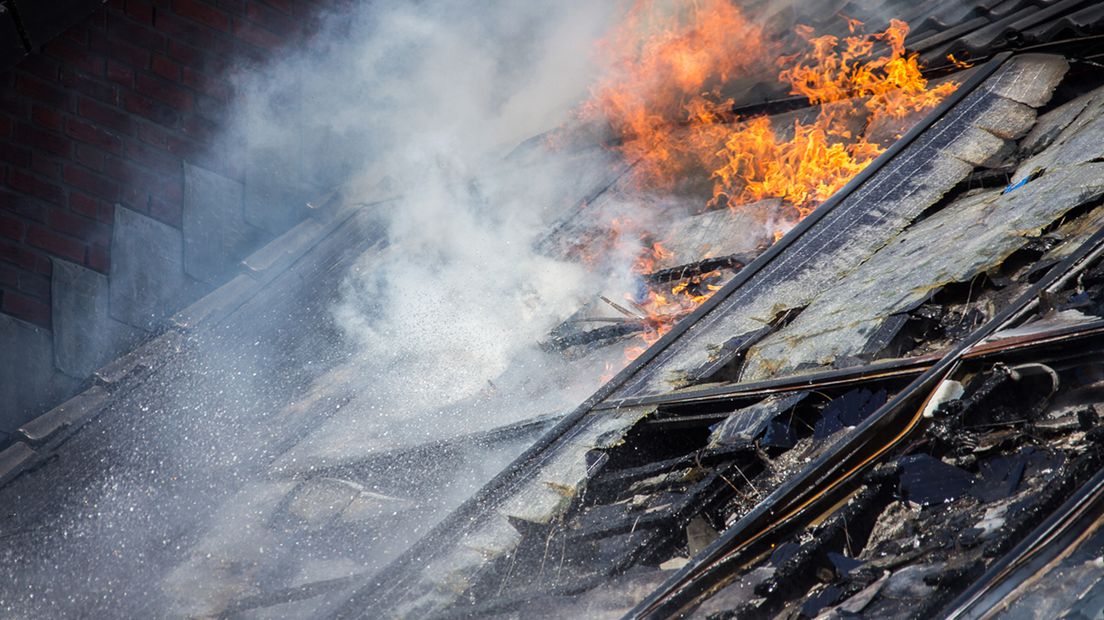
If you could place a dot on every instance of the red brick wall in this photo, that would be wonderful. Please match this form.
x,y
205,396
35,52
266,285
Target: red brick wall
x,y
106,113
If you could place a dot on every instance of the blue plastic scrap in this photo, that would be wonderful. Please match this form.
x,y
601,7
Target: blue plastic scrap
x,y
1016,185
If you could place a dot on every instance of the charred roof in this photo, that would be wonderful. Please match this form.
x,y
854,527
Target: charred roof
x,y
891,411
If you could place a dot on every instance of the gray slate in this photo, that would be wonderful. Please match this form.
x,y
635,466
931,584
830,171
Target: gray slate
x,y
85,335
1034,80
1081,141
1054,122
954,245
147,270
29,383
216,235
275,198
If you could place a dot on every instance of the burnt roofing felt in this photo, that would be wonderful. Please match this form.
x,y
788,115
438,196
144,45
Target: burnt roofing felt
x,y
892,412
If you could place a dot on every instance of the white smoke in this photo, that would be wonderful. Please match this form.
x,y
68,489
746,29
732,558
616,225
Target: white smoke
x,y
429,101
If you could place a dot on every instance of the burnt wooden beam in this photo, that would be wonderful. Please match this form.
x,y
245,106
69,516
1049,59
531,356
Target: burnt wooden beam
x,y
681,272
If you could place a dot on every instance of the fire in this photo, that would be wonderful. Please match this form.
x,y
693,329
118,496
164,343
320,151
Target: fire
x,y
858,93
663,307
662,58
666,103
646,261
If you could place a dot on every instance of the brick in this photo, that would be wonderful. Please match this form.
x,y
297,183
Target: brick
x,y
90,182
36,138
135,198
86,132
5,126
287,6
73,55
130,175
153,158
165,68
22,205
13,105
28,184
275,21
250,57
34,285
163,91
24,307
198,128
211,109
41,91
40,66
18,255
178,50
88,85
144,187
11,227
15,155
43,265
98,19
89,157
234,7
272,20
167,188
45,166
46,117
202,13
153,110
140,11
78,34
83,228
56,244
9,276
117,168
200,60
99,258
106,116
197,35
136,34
166,211
205,84
167,140
119,51
119,73
89,207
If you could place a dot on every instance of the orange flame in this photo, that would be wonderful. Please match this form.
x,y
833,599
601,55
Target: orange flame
x,y
665,100
670,68
855,91
959,63
662,56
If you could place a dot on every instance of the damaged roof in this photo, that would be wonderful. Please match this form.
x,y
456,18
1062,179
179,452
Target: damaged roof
x,y
890,412
918,409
